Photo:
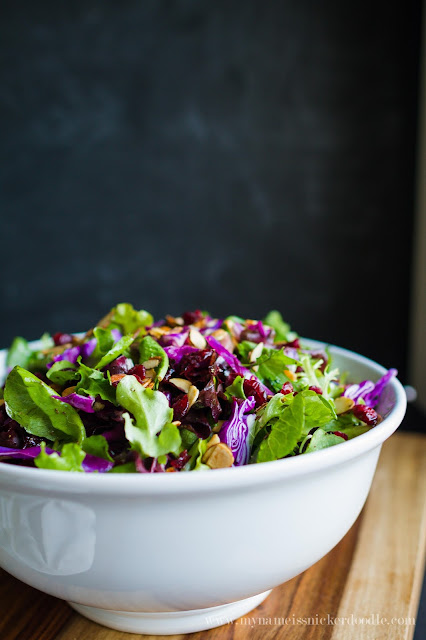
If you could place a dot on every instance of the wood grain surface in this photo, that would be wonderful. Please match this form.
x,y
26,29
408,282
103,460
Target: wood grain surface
x,y
367,587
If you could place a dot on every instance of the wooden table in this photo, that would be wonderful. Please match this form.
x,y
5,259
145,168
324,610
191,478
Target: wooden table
x,y
374,573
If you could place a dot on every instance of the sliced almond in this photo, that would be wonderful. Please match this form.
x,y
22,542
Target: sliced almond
x,y
176,423
224,338
255,354
98,406
148,383
219,456
343,404
150,373
151,363
68,391
158,332
174,322
213,440
197,339
193,394
181,383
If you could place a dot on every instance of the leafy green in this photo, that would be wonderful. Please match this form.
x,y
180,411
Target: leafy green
x,y
71,458
188,438
149,348
289,418
62,372
104,342
97,446
273,364
19,353
118,349
322,440
313,376
94,383
127,467
30,402
128,320
283,333
150,432
236,389
285,432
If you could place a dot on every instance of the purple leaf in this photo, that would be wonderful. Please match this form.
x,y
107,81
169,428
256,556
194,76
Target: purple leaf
x,y
84,403
235,431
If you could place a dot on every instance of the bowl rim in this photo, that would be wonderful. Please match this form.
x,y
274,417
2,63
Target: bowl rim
x,y
221,479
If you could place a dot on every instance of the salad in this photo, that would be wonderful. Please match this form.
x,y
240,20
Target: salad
x,y
185,393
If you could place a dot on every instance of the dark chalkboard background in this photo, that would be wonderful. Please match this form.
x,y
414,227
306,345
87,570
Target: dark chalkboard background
x,y
236,156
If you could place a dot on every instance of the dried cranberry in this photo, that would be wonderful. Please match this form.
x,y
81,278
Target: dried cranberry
x,y
181,460
295,344
12,435
342,435
119,365
320,355
316,389
196,367
287,388
208,398
190,317
252,387
180,407
61,338
197,422
138,371
366,414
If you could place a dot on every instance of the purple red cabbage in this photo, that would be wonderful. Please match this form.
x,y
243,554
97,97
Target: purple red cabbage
x,y
177,353
235,432
70,355
90,463
83,403
234,363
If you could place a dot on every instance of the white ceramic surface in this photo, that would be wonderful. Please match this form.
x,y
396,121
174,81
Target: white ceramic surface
x,y
175,553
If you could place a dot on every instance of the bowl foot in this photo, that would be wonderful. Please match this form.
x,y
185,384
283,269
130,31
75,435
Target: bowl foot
x,y
170,622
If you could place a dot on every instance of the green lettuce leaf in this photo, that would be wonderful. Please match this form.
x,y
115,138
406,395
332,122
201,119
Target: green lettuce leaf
x,y
120,348
236,389
97,446
62,372
104,342
19,353
273,363
283,333
93,383
71,458
128,320
149,348
286,430
286,422
150,432
30,402
322,440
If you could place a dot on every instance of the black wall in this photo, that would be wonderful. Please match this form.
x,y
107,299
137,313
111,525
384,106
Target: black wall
x,y
230,155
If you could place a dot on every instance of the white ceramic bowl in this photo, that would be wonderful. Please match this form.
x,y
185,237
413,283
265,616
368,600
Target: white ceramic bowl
x,y
176,553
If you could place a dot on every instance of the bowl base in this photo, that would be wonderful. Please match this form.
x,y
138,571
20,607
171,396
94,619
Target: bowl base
x,y
170,622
